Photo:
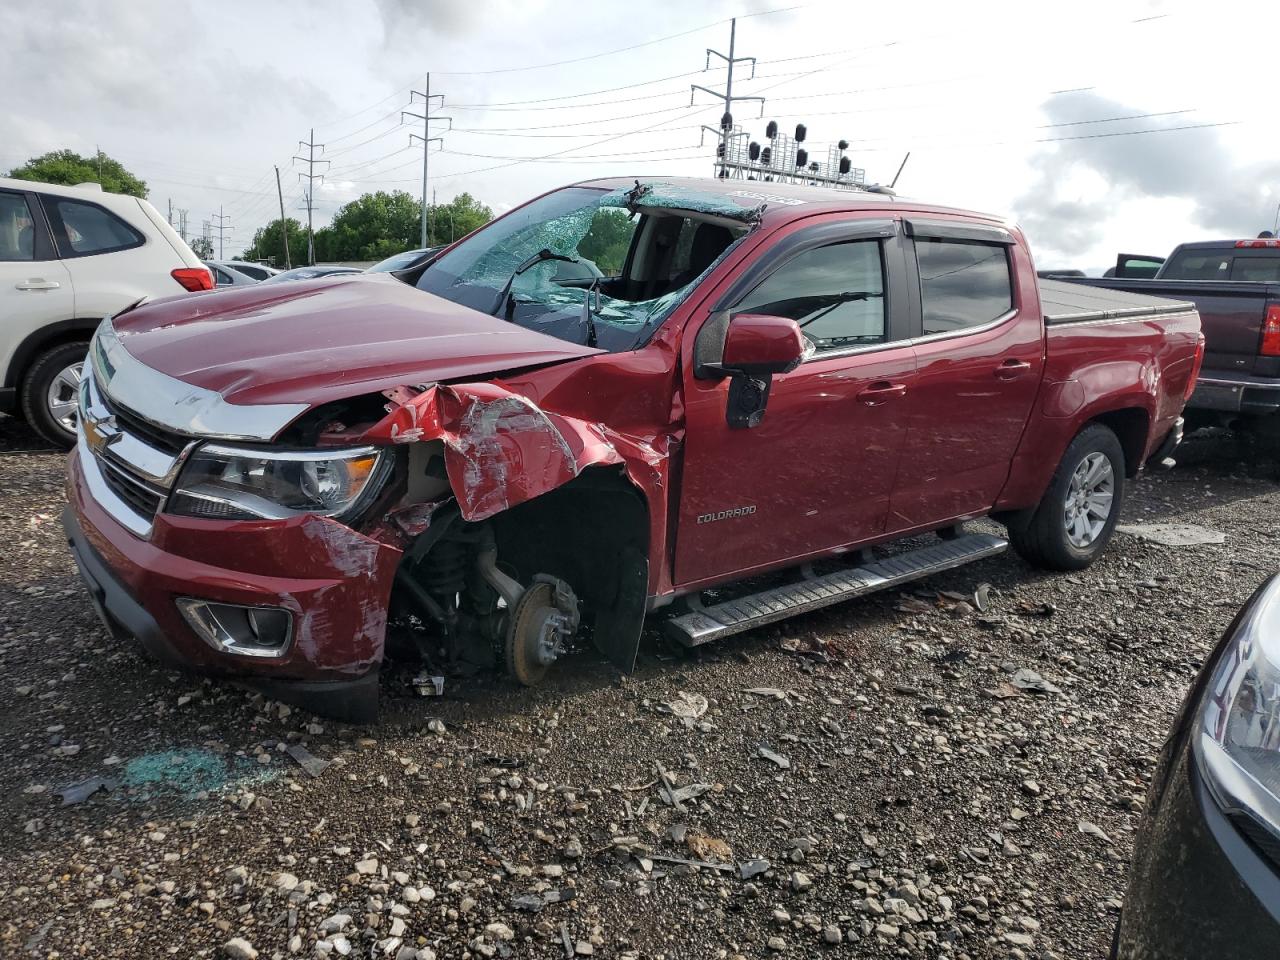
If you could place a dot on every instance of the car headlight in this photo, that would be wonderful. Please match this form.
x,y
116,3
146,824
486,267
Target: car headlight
x,y
1237,731
241,483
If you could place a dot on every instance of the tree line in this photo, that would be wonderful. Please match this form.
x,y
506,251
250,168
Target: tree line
x,y
371,227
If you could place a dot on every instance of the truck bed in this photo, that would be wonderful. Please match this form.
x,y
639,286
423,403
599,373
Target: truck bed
x,y
1073,302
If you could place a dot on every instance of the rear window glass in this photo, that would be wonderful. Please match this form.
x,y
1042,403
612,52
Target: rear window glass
x,y
1266,269
82,228
1199,265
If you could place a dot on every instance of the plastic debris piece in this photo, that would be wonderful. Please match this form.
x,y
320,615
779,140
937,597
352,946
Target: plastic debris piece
x,y
533,902
1173,534
782,762
84,789
429,685
1032,682
752,868
686,706
982,597
1093,830
307,760
771,692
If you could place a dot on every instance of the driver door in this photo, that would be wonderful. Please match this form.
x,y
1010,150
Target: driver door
x,y
816,472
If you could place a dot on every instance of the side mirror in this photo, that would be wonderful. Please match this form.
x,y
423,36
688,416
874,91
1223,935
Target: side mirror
x,y
759,345
756,347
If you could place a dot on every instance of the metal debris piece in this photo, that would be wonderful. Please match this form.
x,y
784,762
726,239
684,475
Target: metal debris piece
x,y
429,685
1003,691
705,864
307,760
1173,534
1030,681
507,763
565,939
782,762
982,597
752,868
533,902
84,789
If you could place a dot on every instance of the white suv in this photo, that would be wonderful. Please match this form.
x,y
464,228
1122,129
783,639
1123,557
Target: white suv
x,y
70,256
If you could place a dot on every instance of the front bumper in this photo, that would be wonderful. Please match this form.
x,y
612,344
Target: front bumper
x,y
1236,393
335,582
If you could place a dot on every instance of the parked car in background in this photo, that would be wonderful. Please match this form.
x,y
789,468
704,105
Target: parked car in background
x,y
255,271
772,381
309,273
68,257
1204,879
405,260
227,276
1235,284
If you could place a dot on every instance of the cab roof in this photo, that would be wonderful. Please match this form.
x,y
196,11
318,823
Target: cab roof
x,y
782,201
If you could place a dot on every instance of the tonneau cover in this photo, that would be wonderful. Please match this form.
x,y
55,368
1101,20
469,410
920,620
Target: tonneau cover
x,y
1065,302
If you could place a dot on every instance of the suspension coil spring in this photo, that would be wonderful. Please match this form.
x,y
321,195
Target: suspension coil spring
x,y
444,568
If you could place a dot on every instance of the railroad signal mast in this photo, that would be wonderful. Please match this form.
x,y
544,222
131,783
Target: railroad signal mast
x,y
786,159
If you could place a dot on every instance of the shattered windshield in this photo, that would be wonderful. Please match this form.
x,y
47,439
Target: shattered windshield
x,y
585,265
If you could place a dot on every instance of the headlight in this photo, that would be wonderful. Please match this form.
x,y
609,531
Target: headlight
x,y
1237,732
241,483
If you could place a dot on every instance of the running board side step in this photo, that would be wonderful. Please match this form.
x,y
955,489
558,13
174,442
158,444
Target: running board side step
x,y
703,624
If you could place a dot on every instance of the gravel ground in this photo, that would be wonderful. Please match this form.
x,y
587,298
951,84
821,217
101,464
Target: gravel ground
x,y
917,803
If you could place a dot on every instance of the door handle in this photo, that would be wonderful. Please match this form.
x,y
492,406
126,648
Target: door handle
x,y
38,284
880,391
1012,369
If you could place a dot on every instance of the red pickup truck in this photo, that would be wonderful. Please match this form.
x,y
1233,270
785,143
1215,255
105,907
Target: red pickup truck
x,y
594,409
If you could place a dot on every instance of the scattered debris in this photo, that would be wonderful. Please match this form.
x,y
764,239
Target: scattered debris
x,y
1037,609
914,605
1030,681
982,597
782,762
1173,534
307,760
706,864
1003,691
82,790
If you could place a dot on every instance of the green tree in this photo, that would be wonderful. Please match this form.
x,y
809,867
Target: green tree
x,y
68,167
268,243
447,222
608,239
373,226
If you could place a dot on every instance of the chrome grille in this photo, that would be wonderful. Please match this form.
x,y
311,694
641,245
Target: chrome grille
x,y
129,463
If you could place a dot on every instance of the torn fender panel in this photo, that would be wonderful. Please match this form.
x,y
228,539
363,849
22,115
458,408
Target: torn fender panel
x,y
502,449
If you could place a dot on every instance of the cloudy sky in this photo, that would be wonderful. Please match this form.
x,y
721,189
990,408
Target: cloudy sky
x,y
1100,126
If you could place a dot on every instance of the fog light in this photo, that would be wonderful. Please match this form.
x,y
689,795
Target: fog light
x,y
243,631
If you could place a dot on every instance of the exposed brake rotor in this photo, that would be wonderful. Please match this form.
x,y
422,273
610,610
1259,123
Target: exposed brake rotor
x,y
545,618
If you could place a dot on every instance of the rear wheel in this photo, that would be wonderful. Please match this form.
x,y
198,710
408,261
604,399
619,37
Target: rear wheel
x,y
51,390
1073,522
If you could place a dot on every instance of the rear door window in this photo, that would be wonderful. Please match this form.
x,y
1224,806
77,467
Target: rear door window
x,y
835,293
82,229
17,228
963,283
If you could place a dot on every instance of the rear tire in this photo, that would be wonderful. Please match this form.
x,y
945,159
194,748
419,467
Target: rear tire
x,y
51,384
1075,518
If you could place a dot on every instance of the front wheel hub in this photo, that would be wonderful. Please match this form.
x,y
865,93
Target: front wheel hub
x,y
543,622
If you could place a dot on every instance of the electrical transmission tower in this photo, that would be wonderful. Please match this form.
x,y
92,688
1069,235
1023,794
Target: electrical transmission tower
x,y
222,229
726,120
311,177
426,117
182,225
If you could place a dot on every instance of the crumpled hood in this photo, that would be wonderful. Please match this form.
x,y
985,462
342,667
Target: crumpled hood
x,y
314,341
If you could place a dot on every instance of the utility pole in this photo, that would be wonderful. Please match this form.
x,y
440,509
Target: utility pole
x,y
182,225
311,177
426,138
171,211
222,228
726,120
284,227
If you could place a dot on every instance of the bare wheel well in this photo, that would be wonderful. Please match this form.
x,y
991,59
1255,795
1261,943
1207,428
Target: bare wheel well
x,y
1131,426
579,532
